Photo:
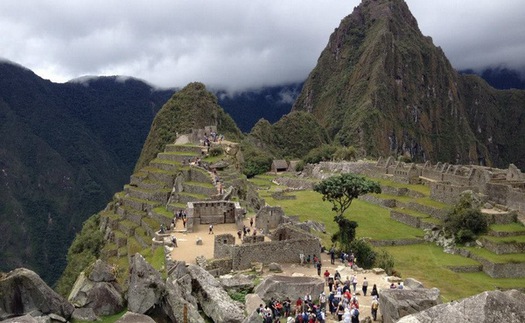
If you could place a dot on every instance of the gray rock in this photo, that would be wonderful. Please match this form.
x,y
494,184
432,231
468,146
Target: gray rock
x,y
214,300
146,287
176,302
487,307
198,242
21,319
105,298
84,314
281,287
237,283
102,272
22,291
252,318
57,318
378,271
411,283
130,317
252,302
396,303
275,267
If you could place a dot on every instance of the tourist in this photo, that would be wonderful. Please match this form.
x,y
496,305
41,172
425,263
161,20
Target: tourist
x,y
308,259
340,311
331,302
318,265
239,234
211,229
332,255
337,276
365,286
174,241
326,276
399,285
301,257
322,301
392,286
374,306
298,305
354,282
251,222
287,304
355,315
330,283
374,291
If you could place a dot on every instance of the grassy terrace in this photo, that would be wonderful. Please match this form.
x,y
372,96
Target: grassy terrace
x,y
494,258
162,211
428,263
201,184
425,262
512,239
513,227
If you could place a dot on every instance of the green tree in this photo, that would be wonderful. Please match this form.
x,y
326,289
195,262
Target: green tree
x,y
341,191
465,222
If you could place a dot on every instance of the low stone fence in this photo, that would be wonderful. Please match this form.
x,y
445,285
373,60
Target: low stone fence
x,y
432,211
501,248
390,203
400,191
400,242
497,270
466,269
407,219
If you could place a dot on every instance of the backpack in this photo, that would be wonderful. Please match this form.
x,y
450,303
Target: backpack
x,y
375,306
319,316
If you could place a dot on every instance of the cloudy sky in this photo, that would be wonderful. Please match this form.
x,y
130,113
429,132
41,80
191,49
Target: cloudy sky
x,y
231,44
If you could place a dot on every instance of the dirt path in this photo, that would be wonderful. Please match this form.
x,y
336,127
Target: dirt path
x,y
187,251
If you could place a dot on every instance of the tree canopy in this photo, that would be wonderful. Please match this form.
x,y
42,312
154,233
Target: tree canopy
x,y
341,190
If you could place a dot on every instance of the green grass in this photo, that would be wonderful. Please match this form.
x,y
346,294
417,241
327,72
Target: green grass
x,y
309,205
494,258
427,201
201,184
512,227
423,189
511,239
411,212
156,259
162,211
105,319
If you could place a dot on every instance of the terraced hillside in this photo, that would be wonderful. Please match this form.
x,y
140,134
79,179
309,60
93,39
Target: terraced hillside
x,y
395,221
155,192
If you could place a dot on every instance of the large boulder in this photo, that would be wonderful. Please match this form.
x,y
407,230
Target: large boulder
x,y
146,287
412,283
102,295
237,283
22,292
214,300
130,317
102,272
396,303
177,302
280,287
492,306
85,314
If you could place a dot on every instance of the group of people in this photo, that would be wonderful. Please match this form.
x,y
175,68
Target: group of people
x,y
179,215
303,311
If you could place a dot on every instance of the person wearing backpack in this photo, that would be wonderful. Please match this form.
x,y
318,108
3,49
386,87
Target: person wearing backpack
x,y
355,315
374,307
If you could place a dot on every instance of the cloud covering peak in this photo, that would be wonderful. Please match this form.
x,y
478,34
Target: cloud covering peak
x,y
235,44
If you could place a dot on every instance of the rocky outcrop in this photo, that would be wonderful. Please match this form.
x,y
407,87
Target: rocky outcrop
x,y
237,283
85,314
176,302
412,283
146,287
492,306
396,303
22,292
281,287
213,299
130,317
99,291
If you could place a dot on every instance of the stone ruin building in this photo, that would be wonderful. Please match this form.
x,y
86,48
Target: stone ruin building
x,y
503,187
285,245
214,212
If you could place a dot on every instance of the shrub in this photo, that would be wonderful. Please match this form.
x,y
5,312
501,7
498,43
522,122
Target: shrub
x,y
465,222
319,154
385,260
363,251
216,151
345,153
256,164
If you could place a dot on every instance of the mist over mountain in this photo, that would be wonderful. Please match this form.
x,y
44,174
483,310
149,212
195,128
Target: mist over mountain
x,y
500,78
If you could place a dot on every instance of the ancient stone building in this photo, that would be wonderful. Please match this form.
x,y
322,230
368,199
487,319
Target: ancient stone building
x,y
213,212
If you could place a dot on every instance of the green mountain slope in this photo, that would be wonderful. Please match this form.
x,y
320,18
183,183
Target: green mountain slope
x,y
193,107
383,87
64,150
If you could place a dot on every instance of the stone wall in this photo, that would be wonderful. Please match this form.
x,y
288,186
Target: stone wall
x,y
503,247
269,218
213,212
222,243
390,203
407,219
448,193
497,270
516,200
286,251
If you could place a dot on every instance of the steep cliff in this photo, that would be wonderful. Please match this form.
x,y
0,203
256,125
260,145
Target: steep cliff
x,y
383,87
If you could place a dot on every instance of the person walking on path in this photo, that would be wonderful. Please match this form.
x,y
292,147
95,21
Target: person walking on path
x,y
365,286
211,229
374,307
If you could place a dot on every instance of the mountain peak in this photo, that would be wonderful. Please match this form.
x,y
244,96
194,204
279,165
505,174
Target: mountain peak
x,y
383,87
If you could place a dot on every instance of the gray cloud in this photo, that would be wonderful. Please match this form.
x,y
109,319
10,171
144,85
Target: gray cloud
x,y
235,44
